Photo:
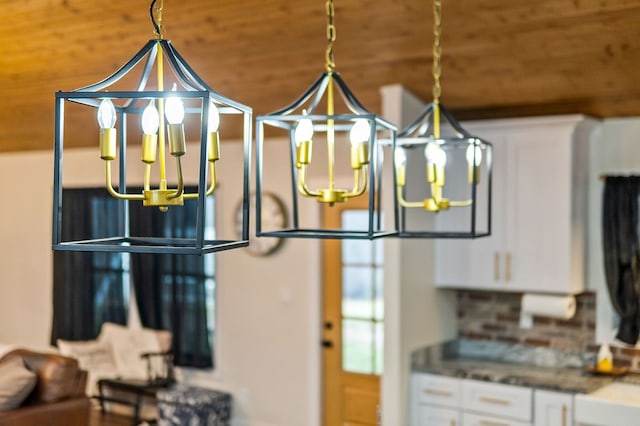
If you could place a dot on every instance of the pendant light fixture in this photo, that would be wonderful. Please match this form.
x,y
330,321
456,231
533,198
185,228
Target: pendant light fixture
x,y
166,93
456,203
338,142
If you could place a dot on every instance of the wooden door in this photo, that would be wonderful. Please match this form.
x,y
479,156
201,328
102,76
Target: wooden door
x,y
353,322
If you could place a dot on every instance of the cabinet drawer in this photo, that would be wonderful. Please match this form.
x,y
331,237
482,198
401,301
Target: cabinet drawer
x,y
437,390
552,408
429,415
471,419
513,402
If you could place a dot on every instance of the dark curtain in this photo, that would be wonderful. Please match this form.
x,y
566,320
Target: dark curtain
x,y
170,289
621,253
87,287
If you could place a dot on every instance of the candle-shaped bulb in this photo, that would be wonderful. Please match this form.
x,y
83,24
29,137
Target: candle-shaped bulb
x,y
435,154
400,158
106,114
304,131
214,117
150,119
474,155
360,131
174,109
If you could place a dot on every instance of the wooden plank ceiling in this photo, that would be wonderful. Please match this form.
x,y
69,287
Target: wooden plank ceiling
x,y
500,57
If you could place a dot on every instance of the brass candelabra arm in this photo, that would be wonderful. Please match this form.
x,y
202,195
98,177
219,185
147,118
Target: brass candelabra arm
x,y
113,192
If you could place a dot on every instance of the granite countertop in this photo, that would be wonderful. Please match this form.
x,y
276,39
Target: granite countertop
x,y
540,368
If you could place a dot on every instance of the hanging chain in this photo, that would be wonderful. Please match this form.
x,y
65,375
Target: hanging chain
x,y
437,49
331,37
156,17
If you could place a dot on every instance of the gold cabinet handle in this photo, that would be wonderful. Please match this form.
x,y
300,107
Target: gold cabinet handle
x,y
564,414
496,401
507,266
488,423
438,392
496,266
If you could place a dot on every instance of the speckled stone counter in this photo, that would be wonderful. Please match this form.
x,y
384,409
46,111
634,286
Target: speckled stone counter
x,y
540,368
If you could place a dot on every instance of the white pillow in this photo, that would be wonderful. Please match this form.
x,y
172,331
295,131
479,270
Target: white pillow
x,y
94,356
127,345
16,383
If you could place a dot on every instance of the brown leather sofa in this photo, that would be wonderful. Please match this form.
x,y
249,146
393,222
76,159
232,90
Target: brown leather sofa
x,y
58,397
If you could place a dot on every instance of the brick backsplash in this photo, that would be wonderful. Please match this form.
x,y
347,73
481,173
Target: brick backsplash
x,y
486,315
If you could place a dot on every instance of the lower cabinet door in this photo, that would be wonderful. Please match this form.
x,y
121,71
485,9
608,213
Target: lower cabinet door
x,y
553,409
430,415
472,419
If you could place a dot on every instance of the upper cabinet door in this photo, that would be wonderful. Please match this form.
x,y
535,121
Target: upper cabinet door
x,y
538,215
538,242
464,263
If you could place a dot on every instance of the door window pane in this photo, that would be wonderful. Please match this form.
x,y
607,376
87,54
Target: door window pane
x,y
357,346
357,292
362,299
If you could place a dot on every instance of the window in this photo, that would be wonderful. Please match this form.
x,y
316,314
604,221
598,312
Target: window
x,y
173,292
362,299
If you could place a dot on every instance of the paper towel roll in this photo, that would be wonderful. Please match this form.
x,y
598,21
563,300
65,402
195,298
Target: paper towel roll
x,y
561,307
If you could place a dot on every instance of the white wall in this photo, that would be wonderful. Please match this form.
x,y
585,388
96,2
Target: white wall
x,y
268,309
417,314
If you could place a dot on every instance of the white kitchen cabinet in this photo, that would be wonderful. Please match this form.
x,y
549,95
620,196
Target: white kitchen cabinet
x,y
435,400
616,404
472,419
449,401
538,240
498,400
431,415
553,408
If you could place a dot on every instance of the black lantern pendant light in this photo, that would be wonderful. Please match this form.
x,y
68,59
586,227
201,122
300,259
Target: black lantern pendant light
x,y
158,103
319,134
456,202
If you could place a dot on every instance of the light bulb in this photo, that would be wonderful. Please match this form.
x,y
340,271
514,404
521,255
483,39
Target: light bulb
x,y
150,119
435,155
106,114
400,157
304,131
214,117
474,160
360,131
174,109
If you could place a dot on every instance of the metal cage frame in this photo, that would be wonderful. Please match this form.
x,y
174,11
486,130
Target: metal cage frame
x,y
286,118
418,132
194,88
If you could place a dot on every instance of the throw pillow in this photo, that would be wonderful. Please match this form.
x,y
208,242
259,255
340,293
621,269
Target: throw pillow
x,y
16,383
94,356
128,345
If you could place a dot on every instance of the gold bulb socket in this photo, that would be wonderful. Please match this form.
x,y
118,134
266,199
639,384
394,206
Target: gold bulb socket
x,y
177,144
401,175
149,148
303,151
359,155
474,174
213,146
108,143
435,174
